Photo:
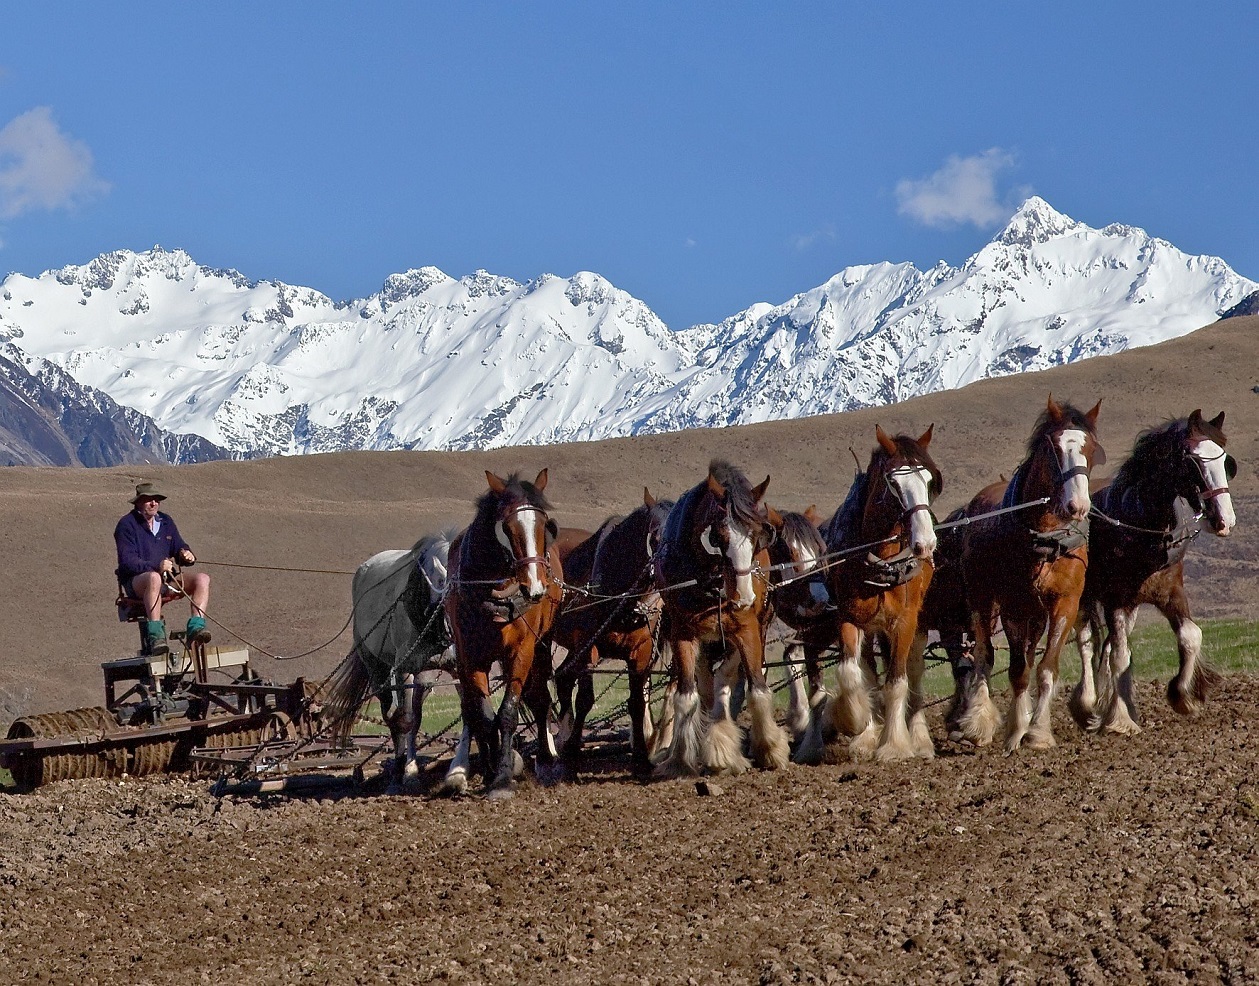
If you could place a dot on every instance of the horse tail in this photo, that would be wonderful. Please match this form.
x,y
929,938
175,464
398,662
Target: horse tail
x,y
350,687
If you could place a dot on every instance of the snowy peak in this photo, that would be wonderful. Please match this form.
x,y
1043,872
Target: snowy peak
x,y
1036,221
434,362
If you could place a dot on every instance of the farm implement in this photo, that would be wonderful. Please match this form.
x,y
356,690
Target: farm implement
x,y
159,710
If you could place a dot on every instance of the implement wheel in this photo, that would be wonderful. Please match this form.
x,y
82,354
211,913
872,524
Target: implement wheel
x,y
34,768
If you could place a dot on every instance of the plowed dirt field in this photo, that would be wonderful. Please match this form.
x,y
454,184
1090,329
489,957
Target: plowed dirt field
x,y
1103,860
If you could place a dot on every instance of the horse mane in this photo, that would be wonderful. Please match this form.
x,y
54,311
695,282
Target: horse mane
x,y
433,540
520,490
1153,457
739,495
1070,416
797,527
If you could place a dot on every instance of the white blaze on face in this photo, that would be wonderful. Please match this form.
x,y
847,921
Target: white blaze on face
x,y
533,576
1220,508
1074,499
739,553
913,488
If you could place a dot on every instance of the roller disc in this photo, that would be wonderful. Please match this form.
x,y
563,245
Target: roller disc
x,y
32,769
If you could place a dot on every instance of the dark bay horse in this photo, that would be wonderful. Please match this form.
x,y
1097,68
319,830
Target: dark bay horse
x,y
615,615
505,589
1029,566
879,591
399,631
714,598
1143,521
802,601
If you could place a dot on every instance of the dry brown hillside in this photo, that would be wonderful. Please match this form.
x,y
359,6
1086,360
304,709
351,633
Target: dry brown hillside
x,y
329,512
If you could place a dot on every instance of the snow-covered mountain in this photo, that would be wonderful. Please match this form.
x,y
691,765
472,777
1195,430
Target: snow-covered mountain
x,y
431,362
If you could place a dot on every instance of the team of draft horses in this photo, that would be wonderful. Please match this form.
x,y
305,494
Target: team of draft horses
x,y
705,574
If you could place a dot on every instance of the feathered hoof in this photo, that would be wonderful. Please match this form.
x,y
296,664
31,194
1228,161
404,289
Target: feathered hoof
x,y
865,745
1084,711
500,794
724,754
454,784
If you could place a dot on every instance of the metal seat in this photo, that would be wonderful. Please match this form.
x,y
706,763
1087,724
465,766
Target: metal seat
x,y
131,609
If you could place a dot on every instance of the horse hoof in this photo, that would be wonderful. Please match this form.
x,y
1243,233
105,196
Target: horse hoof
x,y
500,794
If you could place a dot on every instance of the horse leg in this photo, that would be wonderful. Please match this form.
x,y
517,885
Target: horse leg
x,y
662,730
850,711
724,754
798,707
456,779
770,747
537,699
478,719
894,741
640,660
410,727
919,732
811,746
978,718
1189,689
685,753
1022,640
1119,712
1040,733
501,768
1083,701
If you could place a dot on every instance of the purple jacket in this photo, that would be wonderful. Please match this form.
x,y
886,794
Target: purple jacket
x,y
139,551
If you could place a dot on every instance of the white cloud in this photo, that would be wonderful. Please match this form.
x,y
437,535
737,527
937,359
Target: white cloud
x,y
802,241
963,191
43,168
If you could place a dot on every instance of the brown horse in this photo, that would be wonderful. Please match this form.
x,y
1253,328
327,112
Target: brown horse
x,y
615,614
1029,565
714,597
505,589
1143,522
887,518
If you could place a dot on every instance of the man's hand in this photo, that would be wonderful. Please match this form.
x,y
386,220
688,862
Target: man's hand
x,y
167,566
186,557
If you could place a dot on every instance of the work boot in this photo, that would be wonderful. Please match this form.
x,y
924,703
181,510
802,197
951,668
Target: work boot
x,y
196,632
155,633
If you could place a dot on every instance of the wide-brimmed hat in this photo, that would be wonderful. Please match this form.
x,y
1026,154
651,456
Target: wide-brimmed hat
x,y
146,490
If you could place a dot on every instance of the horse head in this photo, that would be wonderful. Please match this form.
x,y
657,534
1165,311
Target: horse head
x,y
798,555
517,511
902,481
1204,445
1061,453
730,525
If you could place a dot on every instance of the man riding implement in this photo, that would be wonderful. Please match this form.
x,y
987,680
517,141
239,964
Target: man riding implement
x,y
149,548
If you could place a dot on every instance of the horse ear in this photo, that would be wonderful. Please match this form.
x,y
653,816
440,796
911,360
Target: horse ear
x,y
540,482
885,440
1092,415
716,489
649,501
811,514
1218,420
1054,409
496,484
925,439
774,517
758,492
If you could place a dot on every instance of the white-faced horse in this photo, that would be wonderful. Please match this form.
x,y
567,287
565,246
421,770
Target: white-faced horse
x,y
399,629
1144,520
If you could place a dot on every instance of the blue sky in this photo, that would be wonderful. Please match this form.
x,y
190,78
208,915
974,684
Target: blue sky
x,y
702,156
